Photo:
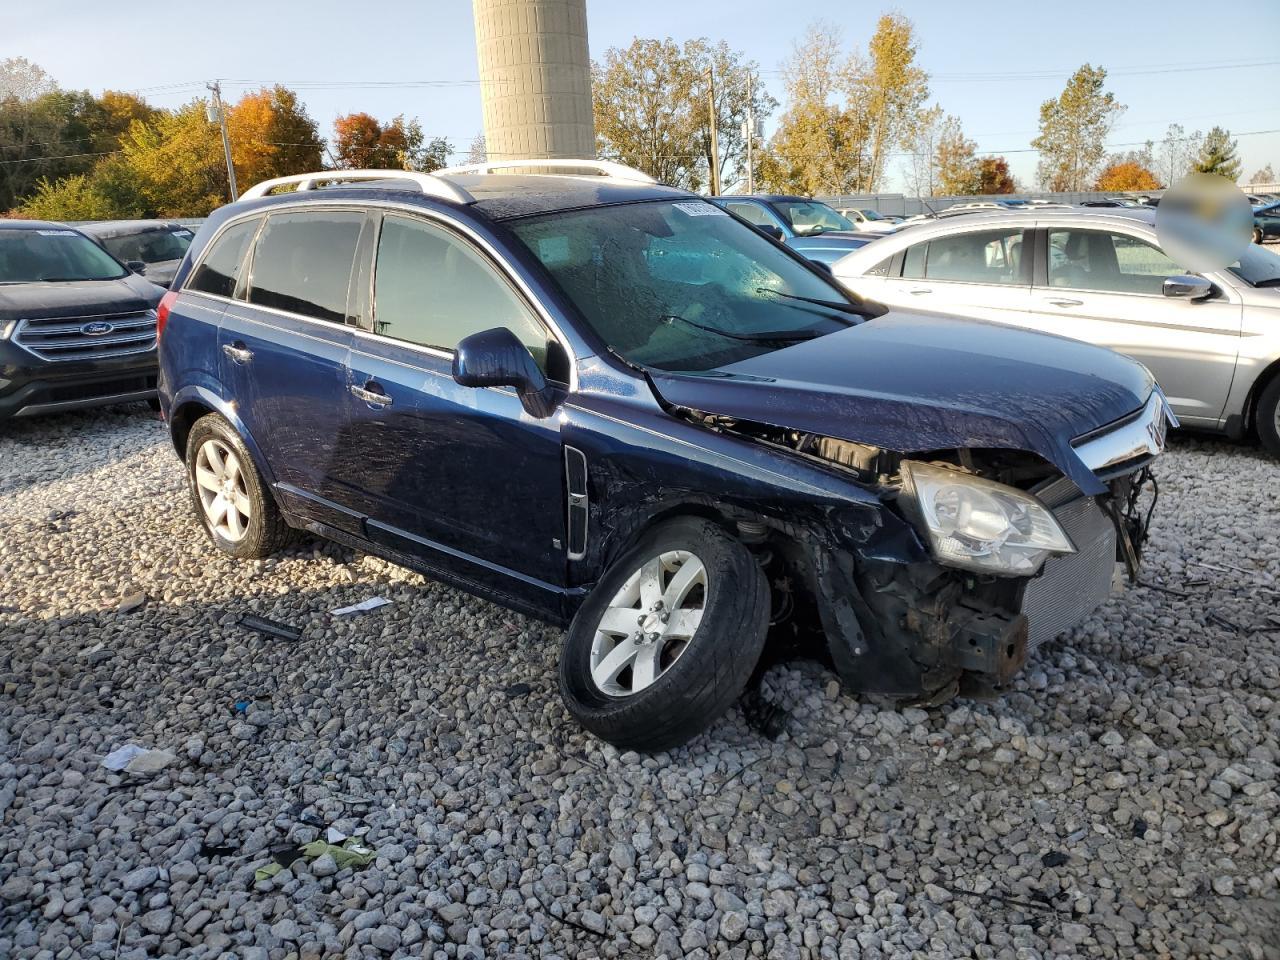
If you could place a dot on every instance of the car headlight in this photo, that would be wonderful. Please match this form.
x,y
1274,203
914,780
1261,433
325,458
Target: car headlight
x,y
980,525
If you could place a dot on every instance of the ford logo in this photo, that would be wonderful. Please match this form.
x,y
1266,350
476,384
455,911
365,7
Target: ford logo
x,y
98,328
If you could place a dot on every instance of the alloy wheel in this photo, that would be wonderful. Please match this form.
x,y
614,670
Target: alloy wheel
x,y
649,623
224,496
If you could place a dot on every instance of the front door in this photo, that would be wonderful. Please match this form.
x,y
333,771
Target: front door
x,y
1105,287
284,352
461,477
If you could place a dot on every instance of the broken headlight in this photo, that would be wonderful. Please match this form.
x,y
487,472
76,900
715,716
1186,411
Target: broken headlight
x,y
980,525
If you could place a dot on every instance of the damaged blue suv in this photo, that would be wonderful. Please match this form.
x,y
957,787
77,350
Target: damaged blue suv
x,y
613,406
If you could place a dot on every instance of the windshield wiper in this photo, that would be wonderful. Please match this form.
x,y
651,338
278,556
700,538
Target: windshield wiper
x,y
773,336
832,304
73,279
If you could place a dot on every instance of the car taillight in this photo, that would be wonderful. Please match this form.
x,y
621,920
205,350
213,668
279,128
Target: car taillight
x,y
162,311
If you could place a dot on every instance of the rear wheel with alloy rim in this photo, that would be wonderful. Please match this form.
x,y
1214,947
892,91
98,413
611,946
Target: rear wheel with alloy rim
x,y
668,639
228,493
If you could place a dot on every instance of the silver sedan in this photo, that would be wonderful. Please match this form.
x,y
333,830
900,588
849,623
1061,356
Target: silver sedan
x,y
1212,340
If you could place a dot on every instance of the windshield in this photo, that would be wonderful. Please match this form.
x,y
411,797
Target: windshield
x,y
1258,267
681,285
152,246
871,215
810,216
53,254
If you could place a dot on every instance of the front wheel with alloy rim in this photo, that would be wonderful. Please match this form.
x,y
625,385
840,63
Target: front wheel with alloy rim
x,y
228,493
667,640
1268,416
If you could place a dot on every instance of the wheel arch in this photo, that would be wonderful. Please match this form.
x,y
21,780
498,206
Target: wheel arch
x,y
191,404
1270,373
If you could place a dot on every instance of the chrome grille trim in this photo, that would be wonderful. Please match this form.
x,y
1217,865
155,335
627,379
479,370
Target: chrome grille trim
x,y
1073,585
1135,439
55,339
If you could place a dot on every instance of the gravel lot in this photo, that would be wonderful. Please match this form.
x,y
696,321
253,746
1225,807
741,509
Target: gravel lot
x,y
1121,802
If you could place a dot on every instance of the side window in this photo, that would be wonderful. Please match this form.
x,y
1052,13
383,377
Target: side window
x,y
913,262
302,263
752,213
220,268
1107,262
987,256
433,289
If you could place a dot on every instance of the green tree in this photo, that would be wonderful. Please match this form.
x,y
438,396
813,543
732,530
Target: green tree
x,y
1074,129
1218,155
1177,154
653,107
886,91
845,114
177,162
957,161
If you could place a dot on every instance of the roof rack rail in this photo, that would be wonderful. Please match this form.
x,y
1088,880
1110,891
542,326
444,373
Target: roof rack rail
x,y
604,168
429,184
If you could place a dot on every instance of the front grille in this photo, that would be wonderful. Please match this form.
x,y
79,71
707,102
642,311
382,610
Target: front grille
x,y
1071,585
96,337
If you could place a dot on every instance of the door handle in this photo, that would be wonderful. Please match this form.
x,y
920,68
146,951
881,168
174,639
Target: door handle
x,y
375,398
238,352
1065,302
918,291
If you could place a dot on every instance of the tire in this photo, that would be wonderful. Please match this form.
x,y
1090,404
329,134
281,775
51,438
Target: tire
x,y
1268,417
670,689
251,526
1257,235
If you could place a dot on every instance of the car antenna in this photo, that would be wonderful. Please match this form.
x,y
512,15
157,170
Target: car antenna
x,y
932,211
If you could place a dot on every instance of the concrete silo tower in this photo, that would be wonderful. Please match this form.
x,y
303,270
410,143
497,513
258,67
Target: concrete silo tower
x,y
535,78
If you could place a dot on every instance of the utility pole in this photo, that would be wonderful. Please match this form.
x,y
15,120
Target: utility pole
x,y
715,146
219,115
751,136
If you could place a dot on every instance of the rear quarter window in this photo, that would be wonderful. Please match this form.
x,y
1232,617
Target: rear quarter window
x,y
220,269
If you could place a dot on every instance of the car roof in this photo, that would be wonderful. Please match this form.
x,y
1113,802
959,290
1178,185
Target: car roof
x,y
119,228
504,196
33,225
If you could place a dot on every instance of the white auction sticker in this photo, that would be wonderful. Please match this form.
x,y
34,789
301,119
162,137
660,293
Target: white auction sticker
x,y
695,208
57,233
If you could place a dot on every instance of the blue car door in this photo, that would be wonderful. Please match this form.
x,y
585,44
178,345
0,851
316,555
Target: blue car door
x,y
284,347
459,477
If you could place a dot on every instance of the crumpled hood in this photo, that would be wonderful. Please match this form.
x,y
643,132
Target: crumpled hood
x,y
912,382
78,298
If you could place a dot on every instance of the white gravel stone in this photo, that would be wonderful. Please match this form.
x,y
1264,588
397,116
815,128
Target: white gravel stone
x,y
1137,755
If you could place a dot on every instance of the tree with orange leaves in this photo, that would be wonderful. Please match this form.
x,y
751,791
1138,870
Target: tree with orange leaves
x,y
362,143
1126,175
272,136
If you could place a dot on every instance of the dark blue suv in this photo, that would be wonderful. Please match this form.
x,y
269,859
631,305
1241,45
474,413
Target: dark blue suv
x,y
611,405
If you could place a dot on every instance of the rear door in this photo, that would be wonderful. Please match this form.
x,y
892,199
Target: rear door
x,y
1104,286
284,344
460,477
980,273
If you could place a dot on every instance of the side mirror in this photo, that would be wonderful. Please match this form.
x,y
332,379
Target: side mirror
x,y
497,358
1187,287
136,266
770,230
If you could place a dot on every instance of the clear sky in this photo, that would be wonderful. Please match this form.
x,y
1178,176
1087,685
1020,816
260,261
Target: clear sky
x,y
1168,60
